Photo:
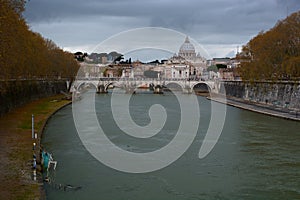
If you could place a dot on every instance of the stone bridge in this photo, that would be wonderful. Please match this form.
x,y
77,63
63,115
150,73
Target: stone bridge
x,y
131,84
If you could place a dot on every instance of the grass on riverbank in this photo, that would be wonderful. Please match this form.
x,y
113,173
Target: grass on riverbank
x,y
16,147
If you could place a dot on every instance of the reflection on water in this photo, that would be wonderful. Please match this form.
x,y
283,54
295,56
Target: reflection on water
x,y
257,157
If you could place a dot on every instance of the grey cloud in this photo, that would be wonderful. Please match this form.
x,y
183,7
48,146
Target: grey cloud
x,y
182,15
209,21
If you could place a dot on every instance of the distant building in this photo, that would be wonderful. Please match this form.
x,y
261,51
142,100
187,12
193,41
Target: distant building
x,y
220,61
91,70
188,52
187,64
103,58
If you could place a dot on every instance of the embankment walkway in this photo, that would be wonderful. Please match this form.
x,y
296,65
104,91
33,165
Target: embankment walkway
x,y
259,108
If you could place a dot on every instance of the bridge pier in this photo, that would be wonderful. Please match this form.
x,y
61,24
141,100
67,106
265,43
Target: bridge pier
x,y
101,89
158,89
130,90
187,90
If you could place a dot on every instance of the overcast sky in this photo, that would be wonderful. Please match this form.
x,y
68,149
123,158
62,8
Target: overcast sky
x,y
218,25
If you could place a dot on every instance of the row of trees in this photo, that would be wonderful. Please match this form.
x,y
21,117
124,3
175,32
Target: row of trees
x,y
25,54
275,54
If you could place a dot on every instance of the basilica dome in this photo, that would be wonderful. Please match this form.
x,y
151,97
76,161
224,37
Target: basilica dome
x,y
187,47
187,50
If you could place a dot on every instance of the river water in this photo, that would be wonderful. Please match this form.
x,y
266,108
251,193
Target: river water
x,y
256,157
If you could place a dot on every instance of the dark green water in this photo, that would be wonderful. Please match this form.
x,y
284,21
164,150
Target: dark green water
x,y
256,157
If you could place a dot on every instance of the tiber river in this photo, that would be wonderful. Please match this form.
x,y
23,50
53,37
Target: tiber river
x,y
256,157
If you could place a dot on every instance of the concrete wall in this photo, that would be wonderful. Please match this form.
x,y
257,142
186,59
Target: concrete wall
x,y
281,94
16,93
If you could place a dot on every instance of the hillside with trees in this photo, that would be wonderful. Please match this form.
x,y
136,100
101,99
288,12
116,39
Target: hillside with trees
x,y
27,55
274,54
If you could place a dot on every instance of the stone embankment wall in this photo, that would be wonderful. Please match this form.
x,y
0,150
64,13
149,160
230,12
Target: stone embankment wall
x,y
278,94
14,93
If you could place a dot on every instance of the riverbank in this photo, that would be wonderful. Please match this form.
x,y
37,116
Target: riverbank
x,y
266,109
16,147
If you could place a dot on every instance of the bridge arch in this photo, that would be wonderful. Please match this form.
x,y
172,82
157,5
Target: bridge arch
x,y
107,85
201,87
80,84
174,86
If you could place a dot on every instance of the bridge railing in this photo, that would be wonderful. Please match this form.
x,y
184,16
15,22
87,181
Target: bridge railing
x,y
137,79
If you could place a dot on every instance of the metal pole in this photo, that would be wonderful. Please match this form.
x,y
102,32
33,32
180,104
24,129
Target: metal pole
x,y
32,125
